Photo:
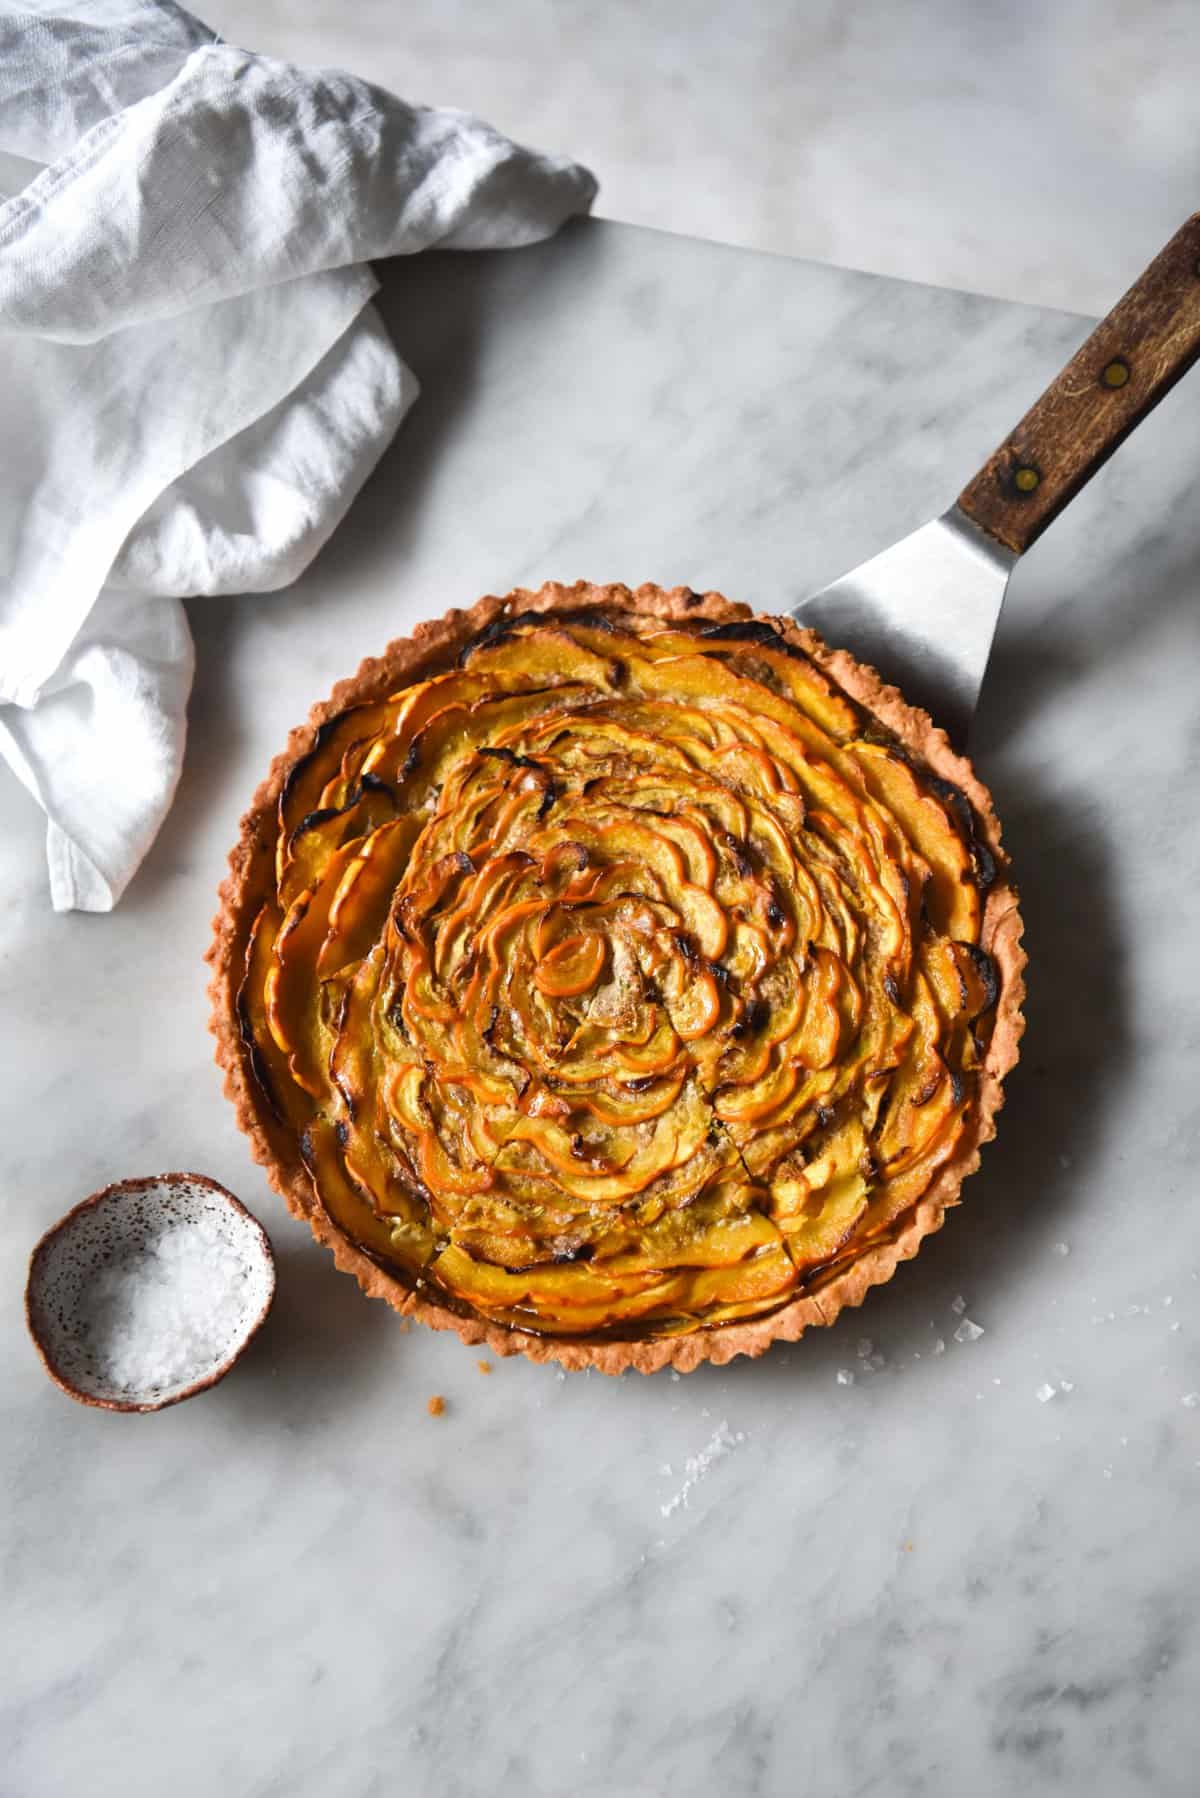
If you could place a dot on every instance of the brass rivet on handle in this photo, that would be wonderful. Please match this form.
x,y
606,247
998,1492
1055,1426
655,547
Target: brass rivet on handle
x,y
1116,373
1026,479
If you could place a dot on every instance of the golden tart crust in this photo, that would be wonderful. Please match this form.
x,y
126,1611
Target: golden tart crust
x,y
775,1158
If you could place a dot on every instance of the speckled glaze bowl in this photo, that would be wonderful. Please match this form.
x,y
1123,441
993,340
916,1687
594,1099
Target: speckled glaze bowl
x,y
86,1335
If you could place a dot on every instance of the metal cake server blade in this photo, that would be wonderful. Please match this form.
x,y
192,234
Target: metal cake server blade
x,y
925,611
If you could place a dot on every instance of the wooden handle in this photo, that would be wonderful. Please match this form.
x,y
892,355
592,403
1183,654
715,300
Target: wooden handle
x,y
1131,359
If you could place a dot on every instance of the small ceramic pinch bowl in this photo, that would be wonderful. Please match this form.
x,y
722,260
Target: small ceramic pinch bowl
x,y
148,1292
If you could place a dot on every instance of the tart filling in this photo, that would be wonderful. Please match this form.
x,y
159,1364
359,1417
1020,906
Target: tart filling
x,y
625,977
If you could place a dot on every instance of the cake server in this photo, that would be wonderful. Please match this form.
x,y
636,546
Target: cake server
x,y
924,612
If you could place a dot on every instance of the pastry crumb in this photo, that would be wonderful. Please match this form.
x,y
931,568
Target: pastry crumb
x,y
436,1406
484,1366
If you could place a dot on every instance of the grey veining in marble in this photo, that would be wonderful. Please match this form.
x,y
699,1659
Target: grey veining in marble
x,y
918,1582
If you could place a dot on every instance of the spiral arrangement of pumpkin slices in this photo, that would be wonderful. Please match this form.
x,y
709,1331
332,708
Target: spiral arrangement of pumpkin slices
x,y
622,979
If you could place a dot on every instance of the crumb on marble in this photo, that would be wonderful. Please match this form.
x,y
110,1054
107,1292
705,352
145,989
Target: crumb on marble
x,y
484,1366
436,1406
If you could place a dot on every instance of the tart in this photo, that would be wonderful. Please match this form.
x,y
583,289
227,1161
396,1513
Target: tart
x,y
618,977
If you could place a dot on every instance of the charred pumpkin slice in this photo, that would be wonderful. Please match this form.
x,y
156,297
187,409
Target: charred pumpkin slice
x,y
623,976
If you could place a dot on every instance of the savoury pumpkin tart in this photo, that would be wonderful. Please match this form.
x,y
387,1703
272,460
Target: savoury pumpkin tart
x,y
617,977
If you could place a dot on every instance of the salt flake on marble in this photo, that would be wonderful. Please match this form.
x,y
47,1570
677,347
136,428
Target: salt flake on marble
x,y
939,1347
968,1332
1066,1385
1191,1400
1062,1248
845,1376
696,1467
1045,1392
958,1305
1176,1326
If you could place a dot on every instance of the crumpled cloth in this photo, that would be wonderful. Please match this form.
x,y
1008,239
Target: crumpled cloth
x,y
193,380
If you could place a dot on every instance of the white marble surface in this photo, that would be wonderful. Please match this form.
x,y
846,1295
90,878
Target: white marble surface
x,y
1040,152
924,1582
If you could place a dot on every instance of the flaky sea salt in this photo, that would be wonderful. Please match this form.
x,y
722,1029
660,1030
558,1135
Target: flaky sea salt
x,y
845,1376
696,1467
168,1314
939,1346
968,1332
1191,1400
1045,1392
1062,1248
958,1304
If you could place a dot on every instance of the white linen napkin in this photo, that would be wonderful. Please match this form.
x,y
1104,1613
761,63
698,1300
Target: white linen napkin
x,y
193,382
